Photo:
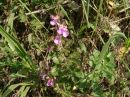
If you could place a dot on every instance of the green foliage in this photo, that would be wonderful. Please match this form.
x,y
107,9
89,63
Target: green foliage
x,y
15,46
92,61
22,91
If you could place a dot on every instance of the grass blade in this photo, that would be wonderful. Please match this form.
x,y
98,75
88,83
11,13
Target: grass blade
x,y
13,87
24,93
106,46
15,45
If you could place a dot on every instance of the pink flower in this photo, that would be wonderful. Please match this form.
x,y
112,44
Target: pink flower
x,y
65,34
57,40
63,31
54,20
50,82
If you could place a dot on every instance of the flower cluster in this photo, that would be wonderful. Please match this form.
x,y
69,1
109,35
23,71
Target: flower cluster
x,y
48,81
61,29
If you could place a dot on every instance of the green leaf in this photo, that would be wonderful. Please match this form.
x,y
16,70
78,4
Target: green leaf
x,y
82,46
15,75
30,38
54,71
79,74
21,90
10,22
35,24
24,93
82,29
82,84
23,17
55,60
90,25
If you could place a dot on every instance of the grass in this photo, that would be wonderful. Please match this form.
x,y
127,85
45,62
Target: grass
x,y
91,61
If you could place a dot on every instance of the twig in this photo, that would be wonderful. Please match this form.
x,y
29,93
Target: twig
x,y
128,17
34,12
123,10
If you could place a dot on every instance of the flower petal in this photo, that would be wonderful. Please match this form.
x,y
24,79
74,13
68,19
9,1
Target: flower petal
x,y
57,40
50,82
59,31
53,22
56,17
65,33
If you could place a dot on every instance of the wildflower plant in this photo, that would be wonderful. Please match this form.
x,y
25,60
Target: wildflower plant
x,y
86,65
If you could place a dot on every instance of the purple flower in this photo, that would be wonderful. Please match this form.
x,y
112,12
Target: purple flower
x,y
57,40
63,31
54,20
65,34
50,82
